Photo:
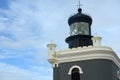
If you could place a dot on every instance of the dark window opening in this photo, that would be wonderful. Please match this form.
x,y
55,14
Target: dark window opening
x,y
75,74
56,65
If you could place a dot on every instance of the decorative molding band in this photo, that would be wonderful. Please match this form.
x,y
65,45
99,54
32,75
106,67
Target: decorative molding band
x,y
83,49
107,56
85,53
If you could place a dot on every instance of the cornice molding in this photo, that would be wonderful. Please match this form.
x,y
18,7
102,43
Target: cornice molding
x,y
86,53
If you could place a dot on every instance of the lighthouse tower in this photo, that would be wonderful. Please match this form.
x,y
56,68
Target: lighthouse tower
x,y
85,58
80,30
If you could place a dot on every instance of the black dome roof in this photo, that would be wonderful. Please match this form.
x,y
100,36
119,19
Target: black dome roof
x,y
80,17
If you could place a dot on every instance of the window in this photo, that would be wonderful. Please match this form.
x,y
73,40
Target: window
x,y
75,74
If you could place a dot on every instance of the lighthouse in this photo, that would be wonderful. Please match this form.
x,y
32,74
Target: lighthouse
x,y
85,58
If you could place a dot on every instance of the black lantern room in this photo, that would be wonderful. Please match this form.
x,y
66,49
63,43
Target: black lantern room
x,y
80,30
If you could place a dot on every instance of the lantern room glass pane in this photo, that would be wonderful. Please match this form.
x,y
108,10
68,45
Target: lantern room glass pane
x,y
81,28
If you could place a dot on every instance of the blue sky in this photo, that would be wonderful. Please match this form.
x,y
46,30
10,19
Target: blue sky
x,y
27,26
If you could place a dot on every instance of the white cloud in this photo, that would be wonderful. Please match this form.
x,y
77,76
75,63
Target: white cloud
x,y
10,72
22,27
4,56
31,25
